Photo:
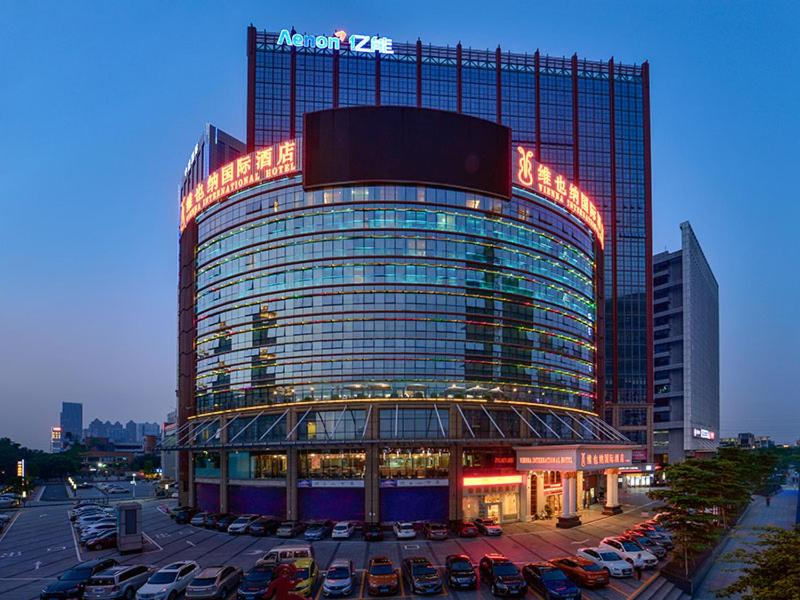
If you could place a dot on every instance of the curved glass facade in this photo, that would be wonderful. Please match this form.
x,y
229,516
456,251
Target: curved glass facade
x,y
392,292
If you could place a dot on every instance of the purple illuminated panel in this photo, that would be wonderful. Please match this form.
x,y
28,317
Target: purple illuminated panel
x,y
207,495
341,504
414,503
245,499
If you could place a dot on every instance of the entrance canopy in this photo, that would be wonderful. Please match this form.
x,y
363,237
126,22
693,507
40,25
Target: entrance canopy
x,y
569,458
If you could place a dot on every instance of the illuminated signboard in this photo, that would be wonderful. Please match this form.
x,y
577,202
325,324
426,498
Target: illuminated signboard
x,y
705,434
247,170
357,42
493,480
572,458
542,180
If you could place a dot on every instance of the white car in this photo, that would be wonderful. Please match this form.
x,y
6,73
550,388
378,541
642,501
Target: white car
x,y
241,524
609,560
343,529
630,551
169,582
404,530
91,532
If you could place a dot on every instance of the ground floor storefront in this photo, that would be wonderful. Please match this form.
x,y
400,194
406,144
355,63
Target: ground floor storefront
x,y
381,484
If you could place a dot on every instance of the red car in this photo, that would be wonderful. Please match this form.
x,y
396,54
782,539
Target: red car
x,y
467,529
582,571
106,539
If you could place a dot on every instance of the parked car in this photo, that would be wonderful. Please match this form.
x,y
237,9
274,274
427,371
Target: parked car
x,y
241,524
630,551
70,583
382,578
169,582
318,531
488,526
306,576
106,539
286,554
84,485
343,530
340,578
184,515
290,529
502,575
373,532
92,532
460,572
404,530
421,576
212,519
662,539
225,521
467,529
264,526
255,582
551,582
582,571
214,582
199,519
608,560
436,531
121,581
645,542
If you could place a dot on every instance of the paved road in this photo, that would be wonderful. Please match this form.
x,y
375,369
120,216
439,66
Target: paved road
x,y
780,513
41,544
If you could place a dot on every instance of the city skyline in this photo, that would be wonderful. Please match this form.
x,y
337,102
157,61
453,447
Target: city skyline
x,y
132,286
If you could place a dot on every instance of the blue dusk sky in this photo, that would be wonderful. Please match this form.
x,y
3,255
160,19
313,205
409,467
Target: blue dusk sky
x,y
101,104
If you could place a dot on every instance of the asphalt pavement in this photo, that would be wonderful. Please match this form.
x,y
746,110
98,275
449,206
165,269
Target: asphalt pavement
x,y
41,544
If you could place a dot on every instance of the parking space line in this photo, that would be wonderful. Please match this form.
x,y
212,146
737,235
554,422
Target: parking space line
x,y
152,541
75,540
7,529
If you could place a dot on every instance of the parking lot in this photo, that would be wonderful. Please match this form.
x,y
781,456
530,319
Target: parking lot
x,y
40,544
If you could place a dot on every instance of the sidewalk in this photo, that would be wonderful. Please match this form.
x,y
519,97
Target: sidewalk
x,y
780,513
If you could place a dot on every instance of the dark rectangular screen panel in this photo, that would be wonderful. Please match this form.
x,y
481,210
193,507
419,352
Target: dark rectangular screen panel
x,y
396,144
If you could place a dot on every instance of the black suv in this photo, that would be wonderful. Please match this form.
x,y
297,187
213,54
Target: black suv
x,y
373,532
421,576
460,572
502,575
71,582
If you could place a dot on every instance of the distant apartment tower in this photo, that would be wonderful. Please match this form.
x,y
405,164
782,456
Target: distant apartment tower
x,y
56,442
72,420
685,352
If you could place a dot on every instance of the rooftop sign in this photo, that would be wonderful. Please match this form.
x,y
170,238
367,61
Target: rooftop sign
x,y
247,170
541,179
356,41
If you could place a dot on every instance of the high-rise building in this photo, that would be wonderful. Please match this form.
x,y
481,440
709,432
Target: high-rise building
x,y
587,119
394,316
686,352
72,421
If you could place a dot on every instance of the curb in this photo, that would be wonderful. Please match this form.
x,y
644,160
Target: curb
x,y
643,588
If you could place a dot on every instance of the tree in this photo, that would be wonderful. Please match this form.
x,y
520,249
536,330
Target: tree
x,y
770,570
685,513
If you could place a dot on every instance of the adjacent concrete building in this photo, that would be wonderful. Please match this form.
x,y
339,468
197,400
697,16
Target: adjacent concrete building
x,y
686,352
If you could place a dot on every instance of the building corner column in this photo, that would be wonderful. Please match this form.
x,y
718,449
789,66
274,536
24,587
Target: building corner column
x,y
568,518
612,506
579,491
191,499
456,484
292,467
540,498
372,482
223,466
525,497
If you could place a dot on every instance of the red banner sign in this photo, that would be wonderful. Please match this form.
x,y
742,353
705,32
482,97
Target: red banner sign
x,y
247,170
542,180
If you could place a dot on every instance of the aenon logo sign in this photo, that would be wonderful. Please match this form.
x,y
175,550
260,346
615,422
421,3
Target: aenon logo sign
x,y
542,180
357,42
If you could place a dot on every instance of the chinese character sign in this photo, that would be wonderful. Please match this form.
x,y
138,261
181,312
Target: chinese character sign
x,y
541,179
245,171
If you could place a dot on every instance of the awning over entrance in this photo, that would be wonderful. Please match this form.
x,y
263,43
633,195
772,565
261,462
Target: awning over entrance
x,y
569,458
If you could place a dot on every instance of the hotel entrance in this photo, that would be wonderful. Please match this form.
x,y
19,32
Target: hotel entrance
x,y
494,502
